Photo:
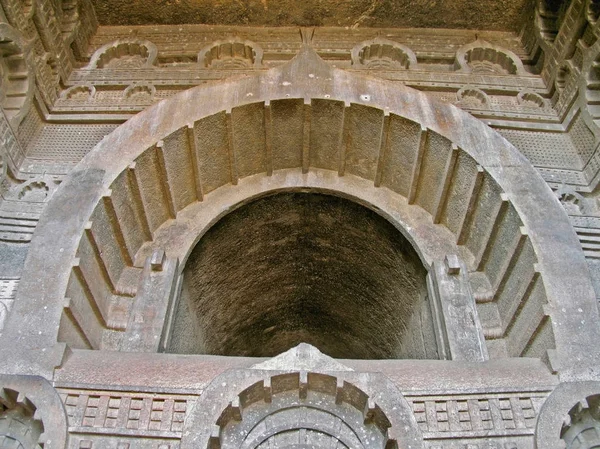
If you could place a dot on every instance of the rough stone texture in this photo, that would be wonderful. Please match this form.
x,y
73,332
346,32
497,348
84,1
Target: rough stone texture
x,y
298,267
488,15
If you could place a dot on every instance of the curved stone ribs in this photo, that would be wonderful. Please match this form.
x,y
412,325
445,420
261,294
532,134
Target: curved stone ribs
x,y
531,99
383,54
125,55
232,53
315,126
482,57
302,408
80,92
16,75
473,97
581,428
417,164
140,91
20,423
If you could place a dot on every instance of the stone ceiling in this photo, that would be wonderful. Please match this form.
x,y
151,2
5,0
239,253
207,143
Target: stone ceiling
x,y
502,15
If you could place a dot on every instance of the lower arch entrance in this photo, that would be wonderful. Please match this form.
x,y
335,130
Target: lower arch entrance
x,y
299,267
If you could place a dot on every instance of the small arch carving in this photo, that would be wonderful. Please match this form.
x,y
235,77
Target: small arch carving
x,y
20,425
473,97
231,54
383,54
324,405
581,428
265,408
482,57
81,92
531,99
145,91
124,54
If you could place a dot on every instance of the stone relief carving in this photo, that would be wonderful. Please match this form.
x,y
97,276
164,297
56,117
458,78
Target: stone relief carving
x,y
473,98
82,92
143,92
8,289
16,74
232,53
581,429
483,57
20,426
383,54
573,201
290,409
548,17
69,20
37,189
531,100
124,54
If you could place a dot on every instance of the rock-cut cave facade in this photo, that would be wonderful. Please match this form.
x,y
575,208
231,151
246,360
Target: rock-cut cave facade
x,y
262,226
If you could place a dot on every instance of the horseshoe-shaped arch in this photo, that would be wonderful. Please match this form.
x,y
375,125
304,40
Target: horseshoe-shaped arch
x,y
482,195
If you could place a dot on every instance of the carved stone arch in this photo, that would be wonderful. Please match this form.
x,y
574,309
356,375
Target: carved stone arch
x,y
249,139
124,53
531,99
472,97
367,410
79,92
481,56
31,414
569,419
144,91
17,77
384,54
232,53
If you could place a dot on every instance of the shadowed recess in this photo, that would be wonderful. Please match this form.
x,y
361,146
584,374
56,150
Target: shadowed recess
x,y
304,267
